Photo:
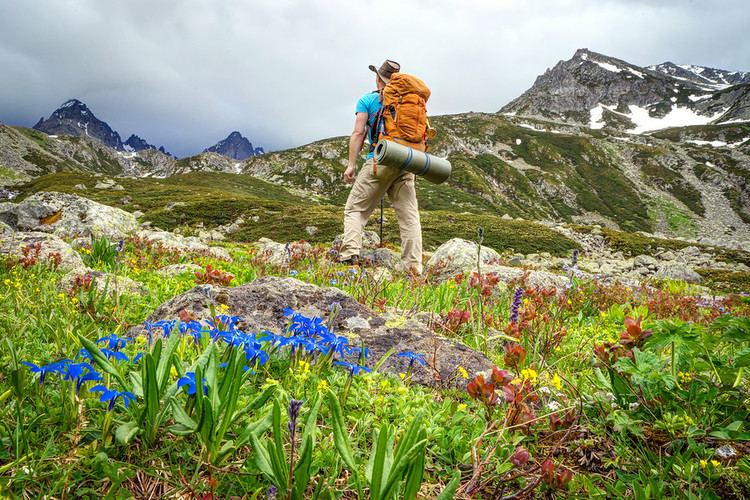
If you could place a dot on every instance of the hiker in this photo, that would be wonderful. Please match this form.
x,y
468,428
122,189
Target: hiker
x,y
374,181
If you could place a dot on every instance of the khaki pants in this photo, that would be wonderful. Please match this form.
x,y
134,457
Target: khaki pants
x,y
366,193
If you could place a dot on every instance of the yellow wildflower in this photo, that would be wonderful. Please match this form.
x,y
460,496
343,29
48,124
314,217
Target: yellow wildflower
x,y
569,302
685,377
322,386
715,463
529,374
173,371
557,382
461,407
223,308
704,463
7,281
462,372
304,366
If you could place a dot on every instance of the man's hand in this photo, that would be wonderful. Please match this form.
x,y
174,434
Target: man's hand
x,y
349,174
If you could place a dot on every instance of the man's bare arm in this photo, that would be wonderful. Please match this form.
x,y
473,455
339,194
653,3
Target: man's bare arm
x,y
356,141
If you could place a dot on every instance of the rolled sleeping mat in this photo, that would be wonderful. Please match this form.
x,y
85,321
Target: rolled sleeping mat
x,y
433,168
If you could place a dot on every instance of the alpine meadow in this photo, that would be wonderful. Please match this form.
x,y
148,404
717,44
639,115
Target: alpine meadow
x,y
180,326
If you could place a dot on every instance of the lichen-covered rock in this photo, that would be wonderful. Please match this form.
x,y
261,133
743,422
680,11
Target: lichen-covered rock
x,y
370,239
109,282
678,271
178,269
535,279
279,254
12,245
460,256
68,215
186,244
260,306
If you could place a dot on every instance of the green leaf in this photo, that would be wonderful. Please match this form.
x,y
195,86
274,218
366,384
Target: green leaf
x,y
414,477
126,432
263,460
450,489
180,416
378,475
340,436
101,360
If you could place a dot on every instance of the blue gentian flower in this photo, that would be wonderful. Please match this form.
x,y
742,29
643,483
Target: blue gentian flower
x,y
412,357
353,369
114,342
43,370
111,395
85,354
166,325
293,272
75,372
137,358
189,381
190,326
334,282
119,356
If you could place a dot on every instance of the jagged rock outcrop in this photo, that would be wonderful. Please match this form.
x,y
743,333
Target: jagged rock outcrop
x,y
235,146
135,143
260,305
179,243
75,118
603,91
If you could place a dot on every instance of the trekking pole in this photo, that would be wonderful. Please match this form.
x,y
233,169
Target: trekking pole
x,y
381,222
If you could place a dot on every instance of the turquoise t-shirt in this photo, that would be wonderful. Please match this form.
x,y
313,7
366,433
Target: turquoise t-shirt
x,y
370,104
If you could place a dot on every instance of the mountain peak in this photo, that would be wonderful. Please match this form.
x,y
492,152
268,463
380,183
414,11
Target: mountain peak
x,y
73,117
597,90
235,146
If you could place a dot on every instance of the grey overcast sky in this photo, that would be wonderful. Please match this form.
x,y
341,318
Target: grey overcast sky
x,y
185,73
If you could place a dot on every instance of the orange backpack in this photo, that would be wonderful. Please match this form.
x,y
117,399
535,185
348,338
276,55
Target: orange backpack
x,y
403,115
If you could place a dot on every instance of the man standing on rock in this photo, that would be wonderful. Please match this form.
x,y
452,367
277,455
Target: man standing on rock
x,y
374,181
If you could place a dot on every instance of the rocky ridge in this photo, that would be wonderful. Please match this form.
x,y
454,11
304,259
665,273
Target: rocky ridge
x,y
603,91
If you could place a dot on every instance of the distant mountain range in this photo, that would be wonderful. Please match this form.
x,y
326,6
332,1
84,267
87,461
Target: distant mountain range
x,y
74,118
602,91
663,149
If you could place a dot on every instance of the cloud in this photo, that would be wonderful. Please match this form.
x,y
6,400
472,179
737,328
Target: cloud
x,y
285,72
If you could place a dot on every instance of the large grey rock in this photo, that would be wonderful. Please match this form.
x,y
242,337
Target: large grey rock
x,y
260,306
186,244
535,279
677,271
370,239
68,215
13,243
380,257
459,256
645,261
279,254
103,281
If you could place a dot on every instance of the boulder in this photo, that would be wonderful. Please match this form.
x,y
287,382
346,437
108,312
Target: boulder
x,y
13,243
110,282
260,305
370,239
279,254
380,257
178,269
68,215
459,256
186,244
678,271
645,261
535,279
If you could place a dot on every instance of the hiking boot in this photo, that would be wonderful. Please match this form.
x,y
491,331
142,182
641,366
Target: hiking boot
x,y
351,261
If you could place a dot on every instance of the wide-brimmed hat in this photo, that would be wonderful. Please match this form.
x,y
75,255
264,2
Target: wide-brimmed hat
x,y
386,69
